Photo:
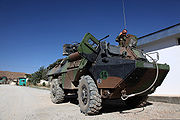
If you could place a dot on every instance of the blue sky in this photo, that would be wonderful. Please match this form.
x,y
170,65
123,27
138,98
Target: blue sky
x,y
32,32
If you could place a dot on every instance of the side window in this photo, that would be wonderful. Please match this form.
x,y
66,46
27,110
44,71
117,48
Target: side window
x,y
92,43
88,47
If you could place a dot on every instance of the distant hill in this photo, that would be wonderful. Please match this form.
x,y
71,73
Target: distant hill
x,y
11,75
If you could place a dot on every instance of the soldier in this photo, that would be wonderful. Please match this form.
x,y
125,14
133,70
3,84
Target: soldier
x,y
121,38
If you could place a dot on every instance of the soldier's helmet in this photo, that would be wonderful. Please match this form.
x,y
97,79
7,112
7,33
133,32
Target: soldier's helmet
x,y
124,32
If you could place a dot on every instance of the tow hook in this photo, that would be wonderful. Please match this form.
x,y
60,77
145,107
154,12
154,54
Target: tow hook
x,y
123,95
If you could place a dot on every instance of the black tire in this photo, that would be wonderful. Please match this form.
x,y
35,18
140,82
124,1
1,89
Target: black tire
x,y
57,93
137,101
88,96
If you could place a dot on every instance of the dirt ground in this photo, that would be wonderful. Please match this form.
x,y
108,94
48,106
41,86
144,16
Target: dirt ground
x,y
24,103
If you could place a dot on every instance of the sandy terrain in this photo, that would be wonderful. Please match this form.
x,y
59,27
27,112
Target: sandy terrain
x,y
24,103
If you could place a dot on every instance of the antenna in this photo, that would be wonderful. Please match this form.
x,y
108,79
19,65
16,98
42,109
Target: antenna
x,y
124,15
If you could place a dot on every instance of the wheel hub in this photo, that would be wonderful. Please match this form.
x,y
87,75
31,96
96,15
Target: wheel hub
x,y
84,94
53,90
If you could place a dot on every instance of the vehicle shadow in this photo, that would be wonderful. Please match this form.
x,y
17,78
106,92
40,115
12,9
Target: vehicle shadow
x,y
118,105
72,99
110,106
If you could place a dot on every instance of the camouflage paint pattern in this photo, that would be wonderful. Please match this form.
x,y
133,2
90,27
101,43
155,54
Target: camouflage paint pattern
x,y
113,68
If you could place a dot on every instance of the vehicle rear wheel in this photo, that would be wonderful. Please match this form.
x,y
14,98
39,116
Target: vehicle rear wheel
x,y
57,93
88,96
136,101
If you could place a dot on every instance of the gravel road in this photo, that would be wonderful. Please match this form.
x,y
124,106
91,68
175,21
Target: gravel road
x,y
24,103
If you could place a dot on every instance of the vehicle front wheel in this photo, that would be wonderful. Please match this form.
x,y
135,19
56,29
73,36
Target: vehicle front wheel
x,y
88,96
57,93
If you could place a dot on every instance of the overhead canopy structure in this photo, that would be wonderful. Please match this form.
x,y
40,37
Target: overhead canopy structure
x,y
164,38
167,43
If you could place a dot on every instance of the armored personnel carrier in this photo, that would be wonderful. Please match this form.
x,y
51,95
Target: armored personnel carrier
x,y
95,70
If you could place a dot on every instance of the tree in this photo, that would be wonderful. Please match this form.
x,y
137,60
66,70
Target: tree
x,y
39,75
